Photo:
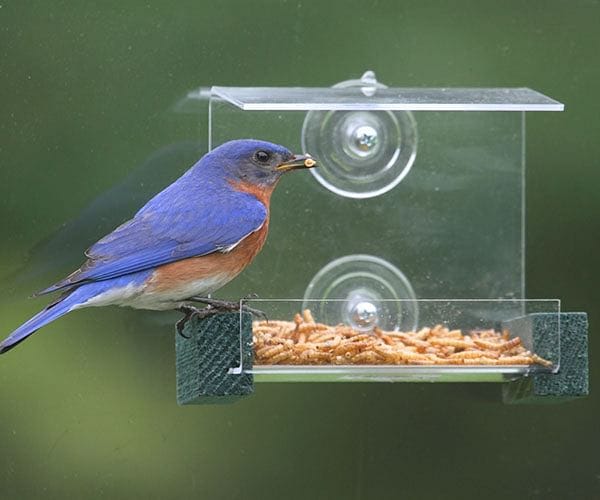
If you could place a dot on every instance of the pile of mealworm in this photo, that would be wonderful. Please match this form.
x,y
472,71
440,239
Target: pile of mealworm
x,y
306,342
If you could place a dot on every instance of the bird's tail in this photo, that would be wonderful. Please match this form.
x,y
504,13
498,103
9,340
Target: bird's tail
x,y
53,311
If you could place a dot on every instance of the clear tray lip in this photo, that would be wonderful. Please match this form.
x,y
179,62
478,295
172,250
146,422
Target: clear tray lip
x,y
399,373
391,99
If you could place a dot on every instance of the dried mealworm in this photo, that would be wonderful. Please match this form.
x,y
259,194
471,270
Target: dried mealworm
x,y
322,337
474,354
423,333
329,344
407,339
458,344
387,339
307,316
269,351
312,355
278,358
487,344
540,361
366,357
509,344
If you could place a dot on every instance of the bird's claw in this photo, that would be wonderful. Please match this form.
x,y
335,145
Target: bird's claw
x,y
255,312
190,312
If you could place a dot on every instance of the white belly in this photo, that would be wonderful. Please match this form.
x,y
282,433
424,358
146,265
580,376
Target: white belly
x,y
146,297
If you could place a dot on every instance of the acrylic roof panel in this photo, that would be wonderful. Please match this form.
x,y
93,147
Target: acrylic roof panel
x,y
396,99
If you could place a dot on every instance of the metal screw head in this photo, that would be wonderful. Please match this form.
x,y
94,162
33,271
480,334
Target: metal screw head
x,y
364,315
365,138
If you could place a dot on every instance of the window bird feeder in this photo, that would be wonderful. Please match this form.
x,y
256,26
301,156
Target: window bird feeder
x,y
403,253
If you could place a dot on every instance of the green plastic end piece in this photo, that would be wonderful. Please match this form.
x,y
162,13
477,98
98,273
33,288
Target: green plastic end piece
x,y
209,362
572,380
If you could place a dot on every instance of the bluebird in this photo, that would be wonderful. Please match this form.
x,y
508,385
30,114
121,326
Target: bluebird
x,y
187,242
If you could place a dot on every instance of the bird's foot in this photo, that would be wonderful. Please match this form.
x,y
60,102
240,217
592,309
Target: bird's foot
x,y
221,306
190,312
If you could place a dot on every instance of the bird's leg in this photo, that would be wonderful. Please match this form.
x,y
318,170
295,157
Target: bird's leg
x,y
224,305
218,305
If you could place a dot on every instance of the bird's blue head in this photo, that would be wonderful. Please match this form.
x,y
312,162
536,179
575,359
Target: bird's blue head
x,y
256,162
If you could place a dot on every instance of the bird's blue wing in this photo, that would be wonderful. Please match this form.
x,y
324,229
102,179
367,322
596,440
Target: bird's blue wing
x,y
161,233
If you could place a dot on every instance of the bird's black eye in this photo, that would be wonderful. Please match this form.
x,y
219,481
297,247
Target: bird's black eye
x,y
262,156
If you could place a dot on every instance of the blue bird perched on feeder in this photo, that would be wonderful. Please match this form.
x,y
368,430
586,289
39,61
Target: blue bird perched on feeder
x,y
188,241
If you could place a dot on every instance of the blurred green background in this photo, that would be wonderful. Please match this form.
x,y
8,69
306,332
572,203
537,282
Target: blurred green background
x,y
87,408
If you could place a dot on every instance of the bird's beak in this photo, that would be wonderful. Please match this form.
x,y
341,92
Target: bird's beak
x,y
298,161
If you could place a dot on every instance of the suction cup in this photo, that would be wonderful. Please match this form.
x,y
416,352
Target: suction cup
x,y
362,154
363,292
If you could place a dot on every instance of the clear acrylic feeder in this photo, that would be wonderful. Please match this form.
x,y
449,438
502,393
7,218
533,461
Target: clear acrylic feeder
x,y
414,219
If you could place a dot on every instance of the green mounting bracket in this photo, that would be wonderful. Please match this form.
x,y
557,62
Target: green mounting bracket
x,y
211,359
571,381
213,363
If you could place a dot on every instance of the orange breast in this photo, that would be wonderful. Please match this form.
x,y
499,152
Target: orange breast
x,y
232,263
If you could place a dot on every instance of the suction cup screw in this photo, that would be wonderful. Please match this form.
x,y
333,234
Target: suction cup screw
x,y
365,138
364,315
